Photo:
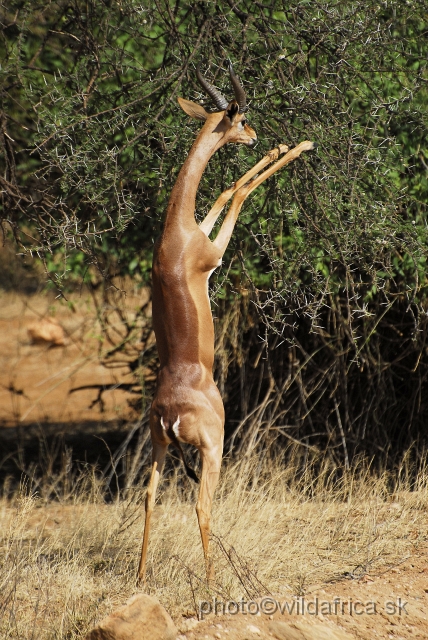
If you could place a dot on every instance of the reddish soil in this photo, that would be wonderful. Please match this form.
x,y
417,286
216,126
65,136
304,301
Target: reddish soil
x,y
393,605
36,380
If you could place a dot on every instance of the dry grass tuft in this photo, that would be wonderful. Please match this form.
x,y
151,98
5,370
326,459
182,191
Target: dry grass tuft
x,y
66,563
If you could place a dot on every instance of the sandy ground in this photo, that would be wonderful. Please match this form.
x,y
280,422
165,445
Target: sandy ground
x,y
392,605
36,380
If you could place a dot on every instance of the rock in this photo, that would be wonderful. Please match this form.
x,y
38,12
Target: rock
x,y
323,632
188,625
302,631
141,618
283,631
47,330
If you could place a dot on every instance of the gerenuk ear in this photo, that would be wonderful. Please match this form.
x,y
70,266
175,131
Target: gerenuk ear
x,y
232,111
192,109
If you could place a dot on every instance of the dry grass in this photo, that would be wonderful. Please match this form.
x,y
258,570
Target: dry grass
x,y
66,563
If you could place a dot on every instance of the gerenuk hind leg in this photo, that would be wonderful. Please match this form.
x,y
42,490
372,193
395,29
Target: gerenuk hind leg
x,y
158,458
211,462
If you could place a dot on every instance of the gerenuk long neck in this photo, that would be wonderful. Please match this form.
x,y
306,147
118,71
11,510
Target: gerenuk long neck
x,y
181,206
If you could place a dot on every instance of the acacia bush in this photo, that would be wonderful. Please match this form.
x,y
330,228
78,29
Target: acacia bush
x,y
321,302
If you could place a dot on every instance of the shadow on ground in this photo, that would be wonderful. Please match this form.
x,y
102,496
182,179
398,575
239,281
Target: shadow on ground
x,y
46,448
